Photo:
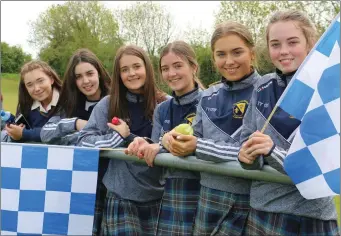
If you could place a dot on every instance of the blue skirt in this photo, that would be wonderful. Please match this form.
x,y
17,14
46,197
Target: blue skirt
x,y
269,223
125,217
221,213
178,207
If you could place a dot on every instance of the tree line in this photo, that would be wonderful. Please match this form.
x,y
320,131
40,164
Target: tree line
x,y
63,28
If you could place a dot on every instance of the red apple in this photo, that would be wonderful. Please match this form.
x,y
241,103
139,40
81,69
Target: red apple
x,y
115,121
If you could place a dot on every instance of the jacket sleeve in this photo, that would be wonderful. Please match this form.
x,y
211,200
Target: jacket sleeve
x,y
249,127
197,122
96,133
31,135
57,128
157,127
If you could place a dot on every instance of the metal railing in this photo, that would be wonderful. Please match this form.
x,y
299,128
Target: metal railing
x,y
231,168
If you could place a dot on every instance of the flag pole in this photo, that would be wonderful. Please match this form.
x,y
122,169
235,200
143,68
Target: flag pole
x,y
269,118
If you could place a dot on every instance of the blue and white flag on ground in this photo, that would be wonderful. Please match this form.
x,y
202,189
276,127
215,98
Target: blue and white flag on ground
x,y
47,190
313,96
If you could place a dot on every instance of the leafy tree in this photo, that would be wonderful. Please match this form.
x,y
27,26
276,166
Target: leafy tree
x,y
64,28
147,24
13,58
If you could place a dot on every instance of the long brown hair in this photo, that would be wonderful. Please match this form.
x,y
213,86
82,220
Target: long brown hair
x,y
186,52
118,105
71,96
25,100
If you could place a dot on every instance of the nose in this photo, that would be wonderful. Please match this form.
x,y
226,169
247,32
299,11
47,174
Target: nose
x,y
131,72
36,87
85,80
284,49
171,72
229,60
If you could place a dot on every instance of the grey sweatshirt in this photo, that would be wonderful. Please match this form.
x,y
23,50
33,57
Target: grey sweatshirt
x,y
126,179
217,125
274,197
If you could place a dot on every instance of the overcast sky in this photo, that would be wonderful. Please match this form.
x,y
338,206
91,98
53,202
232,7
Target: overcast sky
x,y
15,16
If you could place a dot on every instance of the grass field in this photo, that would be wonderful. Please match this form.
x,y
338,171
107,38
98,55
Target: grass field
x,y
9,88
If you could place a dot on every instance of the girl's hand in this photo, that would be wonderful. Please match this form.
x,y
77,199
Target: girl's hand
x,y
122,128
80,124
148,153
134,146
182,145
258,144
15,131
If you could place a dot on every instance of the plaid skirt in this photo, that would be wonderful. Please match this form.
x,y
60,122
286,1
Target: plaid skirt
x,y
101,192
178,207
269,223
125,217
221,213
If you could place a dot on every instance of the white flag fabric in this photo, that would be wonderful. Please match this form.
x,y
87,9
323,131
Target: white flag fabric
x,y
313,96
47,190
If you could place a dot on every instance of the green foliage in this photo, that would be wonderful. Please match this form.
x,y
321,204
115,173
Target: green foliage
x,y
12,58
62,29
146,24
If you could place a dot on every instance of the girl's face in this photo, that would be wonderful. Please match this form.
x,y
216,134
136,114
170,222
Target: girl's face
x,y
287,46
177,73
87,80
133,73
232,57
39,85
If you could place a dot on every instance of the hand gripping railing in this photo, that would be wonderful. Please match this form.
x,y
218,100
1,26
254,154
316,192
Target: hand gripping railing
x,y
231,168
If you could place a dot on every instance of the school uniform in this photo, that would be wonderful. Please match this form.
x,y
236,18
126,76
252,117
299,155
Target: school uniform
x,y
181,194
224,201
62,131
133,189
36,119
279,209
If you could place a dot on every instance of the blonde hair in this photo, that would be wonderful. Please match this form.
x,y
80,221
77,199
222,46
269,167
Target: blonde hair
x,y
301,19
186,52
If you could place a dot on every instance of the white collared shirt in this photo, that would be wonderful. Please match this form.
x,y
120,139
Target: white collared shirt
x,y
54,101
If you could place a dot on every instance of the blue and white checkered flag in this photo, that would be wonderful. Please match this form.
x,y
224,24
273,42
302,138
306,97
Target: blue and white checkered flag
x,y
313,96
47,190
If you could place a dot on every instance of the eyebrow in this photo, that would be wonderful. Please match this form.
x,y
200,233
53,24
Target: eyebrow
x,y
85,72
275,40
234,49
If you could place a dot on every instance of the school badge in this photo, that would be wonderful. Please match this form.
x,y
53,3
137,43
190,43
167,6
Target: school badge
x,y
189,118
239,109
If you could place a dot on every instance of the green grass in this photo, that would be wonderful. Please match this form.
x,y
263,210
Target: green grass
x,y
337,204
9,90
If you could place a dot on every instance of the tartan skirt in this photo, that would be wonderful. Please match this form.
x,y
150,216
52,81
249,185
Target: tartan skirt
x,y
101,192
221,213
269,223
178,207
125,217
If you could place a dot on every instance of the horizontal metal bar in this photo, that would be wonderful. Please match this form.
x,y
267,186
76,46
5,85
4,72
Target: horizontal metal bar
x,y
231,168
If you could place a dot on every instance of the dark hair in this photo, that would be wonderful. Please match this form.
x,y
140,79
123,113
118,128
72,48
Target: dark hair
x,y
301,19
25,100
186,52
71,96
152,95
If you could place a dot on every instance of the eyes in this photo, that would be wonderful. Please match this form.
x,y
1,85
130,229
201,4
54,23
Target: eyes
x,y
126,69
176,66
88,74
234,53
277,44
39,81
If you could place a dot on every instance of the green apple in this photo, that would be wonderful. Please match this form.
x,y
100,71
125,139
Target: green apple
x,y
185,129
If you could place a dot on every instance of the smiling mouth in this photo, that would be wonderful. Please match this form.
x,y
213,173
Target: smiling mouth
x,y
173,80
88,88
286,59
231,70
